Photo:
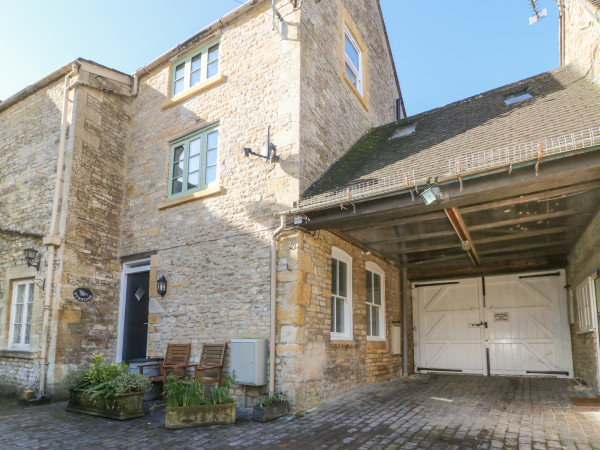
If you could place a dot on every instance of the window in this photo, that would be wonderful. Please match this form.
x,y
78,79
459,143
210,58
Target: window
x,y
375,301
20,315
353,61
404,131
341,295
195,68
517,97
193,163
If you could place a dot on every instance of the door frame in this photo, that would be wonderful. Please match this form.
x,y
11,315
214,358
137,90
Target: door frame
x,y
130,267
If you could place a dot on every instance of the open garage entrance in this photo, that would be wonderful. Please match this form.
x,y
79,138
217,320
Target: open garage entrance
x,y
489,272
497,325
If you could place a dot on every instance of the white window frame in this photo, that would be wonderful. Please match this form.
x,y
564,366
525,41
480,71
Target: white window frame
x,y
187,61
586,308
130,267
29,291
356,71
374,268
348,333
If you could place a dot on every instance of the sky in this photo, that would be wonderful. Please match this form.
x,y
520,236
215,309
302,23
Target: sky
x,y
444,50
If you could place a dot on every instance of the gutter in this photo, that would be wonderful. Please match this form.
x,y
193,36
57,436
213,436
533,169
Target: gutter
x,y
423,183
276,233
181,46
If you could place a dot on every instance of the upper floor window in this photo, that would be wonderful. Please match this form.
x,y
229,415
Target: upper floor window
x,y
194,68
193,163
375,301
20,315
353,61
341,295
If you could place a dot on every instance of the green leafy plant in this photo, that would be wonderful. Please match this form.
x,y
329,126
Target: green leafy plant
x,y
106,379
191,392
272,400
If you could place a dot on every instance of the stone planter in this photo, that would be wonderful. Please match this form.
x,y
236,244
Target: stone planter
x,y
268,413
197,416
118,407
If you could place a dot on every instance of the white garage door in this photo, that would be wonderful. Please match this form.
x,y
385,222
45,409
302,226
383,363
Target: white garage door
x,y
501,325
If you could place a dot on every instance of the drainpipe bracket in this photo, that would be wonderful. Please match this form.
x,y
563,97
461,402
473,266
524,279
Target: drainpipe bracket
x,y
51,241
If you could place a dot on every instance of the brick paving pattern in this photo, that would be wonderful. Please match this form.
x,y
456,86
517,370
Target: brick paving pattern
x,y
423,411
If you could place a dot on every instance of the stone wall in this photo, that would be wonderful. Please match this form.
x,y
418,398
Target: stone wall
x,y
584,261
215,250
333,115
29,132
94,186
310,365
582,38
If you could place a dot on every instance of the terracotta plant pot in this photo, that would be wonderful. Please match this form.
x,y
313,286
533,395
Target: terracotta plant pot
x,y
118,407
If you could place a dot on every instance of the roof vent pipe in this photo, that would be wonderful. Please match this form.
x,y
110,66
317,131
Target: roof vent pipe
x,y
400,114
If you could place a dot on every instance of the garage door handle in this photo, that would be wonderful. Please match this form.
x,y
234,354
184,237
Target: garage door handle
x,y
477,325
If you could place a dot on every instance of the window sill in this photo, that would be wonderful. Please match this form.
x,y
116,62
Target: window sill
x,y
357,94
209,192
375,338
193,91
17,353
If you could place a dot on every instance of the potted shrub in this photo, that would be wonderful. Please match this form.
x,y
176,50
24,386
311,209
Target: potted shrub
x,y
189,404
106,390
270,408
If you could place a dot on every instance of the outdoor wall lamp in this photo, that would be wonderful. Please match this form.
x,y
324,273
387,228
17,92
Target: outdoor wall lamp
x,y
432,195
30,255
161,286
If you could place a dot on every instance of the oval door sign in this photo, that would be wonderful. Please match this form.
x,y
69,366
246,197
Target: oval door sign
x,y
83,294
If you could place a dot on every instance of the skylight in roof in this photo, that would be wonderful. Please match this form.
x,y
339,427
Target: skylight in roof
x,y
517,97
404,131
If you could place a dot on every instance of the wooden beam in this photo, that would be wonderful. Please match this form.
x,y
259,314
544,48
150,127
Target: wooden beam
x,y
463,233
536,196
415,237
525,234
526,219
497,268
370,224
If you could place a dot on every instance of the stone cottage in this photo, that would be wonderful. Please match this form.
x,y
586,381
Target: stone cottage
x,y
153,181
265,168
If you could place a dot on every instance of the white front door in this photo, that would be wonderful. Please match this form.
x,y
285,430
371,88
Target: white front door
x,y
501,325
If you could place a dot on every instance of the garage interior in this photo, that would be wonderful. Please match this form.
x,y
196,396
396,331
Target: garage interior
x,y
486,263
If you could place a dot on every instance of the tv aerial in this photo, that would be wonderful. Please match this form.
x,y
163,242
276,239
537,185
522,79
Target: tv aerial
x,y
538,14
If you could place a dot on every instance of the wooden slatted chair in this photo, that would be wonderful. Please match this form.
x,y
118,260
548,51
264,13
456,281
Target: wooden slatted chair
x,y
175,362
210,368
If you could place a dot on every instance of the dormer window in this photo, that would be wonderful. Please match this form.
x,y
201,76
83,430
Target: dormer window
x,y
517,97
404,131
195,67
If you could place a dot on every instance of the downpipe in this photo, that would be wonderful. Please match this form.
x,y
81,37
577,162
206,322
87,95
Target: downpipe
x,y
274,303
52,240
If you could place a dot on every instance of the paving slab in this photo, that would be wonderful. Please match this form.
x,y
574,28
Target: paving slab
x,y
421,411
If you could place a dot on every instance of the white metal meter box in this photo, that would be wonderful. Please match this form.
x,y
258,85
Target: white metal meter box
x,y
249,360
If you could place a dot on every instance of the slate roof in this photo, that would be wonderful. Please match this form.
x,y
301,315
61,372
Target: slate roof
x,y
563,102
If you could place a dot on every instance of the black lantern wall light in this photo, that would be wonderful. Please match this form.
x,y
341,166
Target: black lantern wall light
x,y
30,255
161,286
30,259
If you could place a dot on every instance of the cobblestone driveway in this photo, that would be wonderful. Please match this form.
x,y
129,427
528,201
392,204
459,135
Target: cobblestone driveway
x,y
424,411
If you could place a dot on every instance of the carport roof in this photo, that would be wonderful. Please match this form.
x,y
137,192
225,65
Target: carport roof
x,y
563,102
520,182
